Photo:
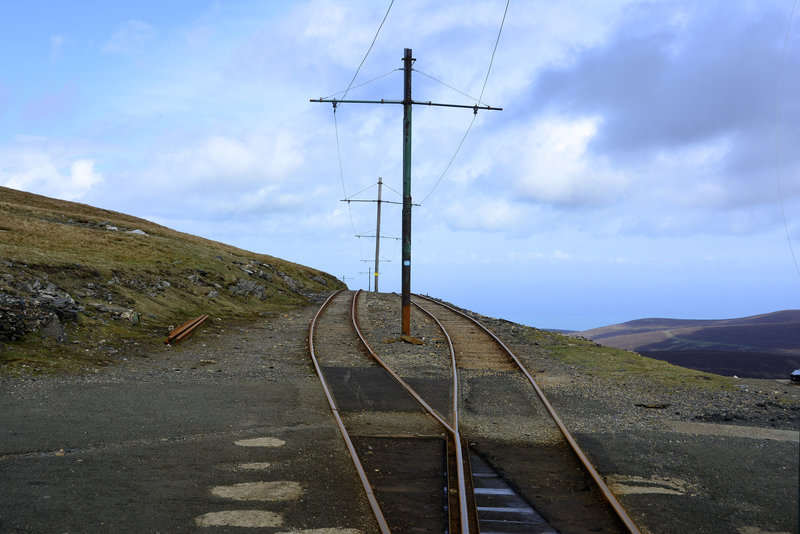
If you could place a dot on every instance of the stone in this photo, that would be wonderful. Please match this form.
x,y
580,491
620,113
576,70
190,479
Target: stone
x,y
54,330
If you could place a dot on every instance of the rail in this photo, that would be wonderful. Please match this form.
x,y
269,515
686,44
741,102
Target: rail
x,y
373,501
185,330
604,489
461,476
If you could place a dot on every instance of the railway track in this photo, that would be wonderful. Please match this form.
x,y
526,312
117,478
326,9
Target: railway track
x,y
462,441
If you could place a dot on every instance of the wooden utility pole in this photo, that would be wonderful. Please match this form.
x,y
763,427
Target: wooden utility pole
x,y
407,102
378,234
406,231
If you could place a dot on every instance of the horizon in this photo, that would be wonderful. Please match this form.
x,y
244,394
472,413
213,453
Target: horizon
x,y
642,166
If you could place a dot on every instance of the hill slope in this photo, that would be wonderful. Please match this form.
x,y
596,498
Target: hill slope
x,y
72,275
765,346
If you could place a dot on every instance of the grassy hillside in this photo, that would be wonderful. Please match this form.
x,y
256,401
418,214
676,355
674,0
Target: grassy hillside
x,y
117,278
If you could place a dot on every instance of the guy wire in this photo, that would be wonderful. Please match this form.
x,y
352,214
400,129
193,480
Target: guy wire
x,y
777,129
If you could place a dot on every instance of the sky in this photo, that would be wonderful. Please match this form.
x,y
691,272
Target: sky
x,y
645,162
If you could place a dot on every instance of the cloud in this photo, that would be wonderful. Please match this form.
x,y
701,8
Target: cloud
x,y
556,167
233,160
488,215
129,38
673,84
57,43
32,167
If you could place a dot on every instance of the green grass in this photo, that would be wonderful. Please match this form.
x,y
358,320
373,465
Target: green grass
x,y
67,244
620,365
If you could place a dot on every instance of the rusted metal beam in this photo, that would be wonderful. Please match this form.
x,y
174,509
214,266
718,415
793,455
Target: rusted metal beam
x,y
185,330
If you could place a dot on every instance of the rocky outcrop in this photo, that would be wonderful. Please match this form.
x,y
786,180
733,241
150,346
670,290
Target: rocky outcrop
x,y
44,313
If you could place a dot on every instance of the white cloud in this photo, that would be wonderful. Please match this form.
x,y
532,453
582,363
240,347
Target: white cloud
x,y
31,168
556,167
489,215
129,38
57,43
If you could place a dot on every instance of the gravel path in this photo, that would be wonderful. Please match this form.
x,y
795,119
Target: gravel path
x,y
164,428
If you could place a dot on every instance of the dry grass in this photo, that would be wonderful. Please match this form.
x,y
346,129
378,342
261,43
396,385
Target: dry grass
x,y
70,245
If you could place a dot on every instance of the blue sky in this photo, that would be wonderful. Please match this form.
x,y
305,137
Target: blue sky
x,y
636,170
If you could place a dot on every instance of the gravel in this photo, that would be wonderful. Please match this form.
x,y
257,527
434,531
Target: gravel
x,y
681,459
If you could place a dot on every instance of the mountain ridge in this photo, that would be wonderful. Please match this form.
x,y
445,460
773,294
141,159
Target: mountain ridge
x,y
765,345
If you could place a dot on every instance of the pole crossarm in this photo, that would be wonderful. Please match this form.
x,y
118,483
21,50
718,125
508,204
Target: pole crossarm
x,y
336,102
382,237
408,103
415,102
474,107
368,200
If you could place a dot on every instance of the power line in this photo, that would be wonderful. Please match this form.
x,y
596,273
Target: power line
x,y
478,100
497,41
341,168
475,115
336,125
362,84
370,48
777,129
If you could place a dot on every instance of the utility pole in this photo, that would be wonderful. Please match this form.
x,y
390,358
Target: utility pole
x,y
407,102
408,61
378,234
369,277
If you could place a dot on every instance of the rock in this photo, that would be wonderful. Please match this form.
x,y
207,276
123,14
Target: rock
x,y
117,312
246,288
53,329
293,284
137,232
22,315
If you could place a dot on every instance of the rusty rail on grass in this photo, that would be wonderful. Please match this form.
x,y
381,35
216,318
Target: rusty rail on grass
x,y
185,330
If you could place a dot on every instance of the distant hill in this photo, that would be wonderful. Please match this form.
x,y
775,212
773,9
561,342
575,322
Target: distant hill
x,y
76,282
761,346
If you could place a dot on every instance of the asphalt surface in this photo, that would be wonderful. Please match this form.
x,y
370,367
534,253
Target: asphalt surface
x,y
228,429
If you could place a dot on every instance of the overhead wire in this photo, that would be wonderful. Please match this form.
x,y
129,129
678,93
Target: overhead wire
x,y
475,115
336,124
777,129
361,84
370,47
448,86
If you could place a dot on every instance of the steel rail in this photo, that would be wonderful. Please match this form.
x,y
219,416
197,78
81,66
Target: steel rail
x,y
462,490
373,354
185,330
453,430
604,489
373,501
